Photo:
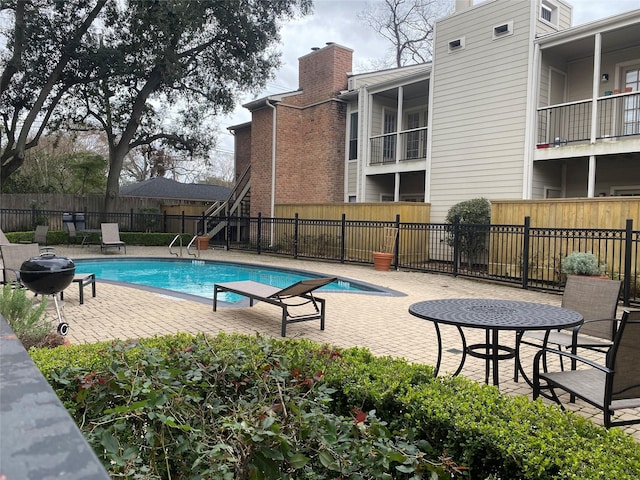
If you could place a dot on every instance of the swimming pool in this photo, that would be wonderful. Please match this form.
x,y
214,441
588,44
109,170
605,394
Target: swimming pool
x,y
197,277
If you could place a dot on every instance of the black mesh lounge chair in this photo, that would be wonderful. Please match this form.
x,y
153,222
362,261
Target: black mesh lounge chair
x,y
610,387
597,300
111,237
280,297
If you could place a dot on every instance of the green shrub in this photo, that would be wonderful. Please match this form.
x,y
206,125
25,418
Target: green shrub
x,y
25,318
199,409
245,407
475,211
582,263
473,217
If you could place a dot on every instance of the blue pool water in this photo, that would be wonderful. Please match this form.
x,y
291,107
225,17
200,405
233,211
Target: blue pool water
x,y
197,277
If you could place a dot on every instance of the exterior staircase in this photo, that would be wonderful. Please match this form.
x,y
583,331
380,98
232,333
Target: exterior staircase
x,y
236,204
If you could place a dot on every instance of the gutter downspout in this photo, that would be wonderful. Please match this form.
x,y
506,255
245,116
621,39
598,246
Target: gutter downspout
x,y
273,170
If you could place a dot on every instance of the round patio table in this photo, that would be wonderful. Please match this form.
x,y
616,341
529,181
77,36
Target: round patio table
x,y
492,315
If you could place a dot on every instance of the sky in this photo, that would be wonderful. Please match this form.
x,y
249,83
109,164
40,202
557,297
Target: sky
x,y
337,21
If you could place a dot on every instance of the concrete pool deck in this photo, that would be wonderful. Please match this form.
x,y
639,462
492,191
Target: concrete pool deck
x,y
380,323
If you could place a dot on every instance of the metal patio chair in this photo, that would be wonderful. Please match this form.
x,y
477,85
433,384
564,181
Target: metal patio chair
x,y
610,387
597,300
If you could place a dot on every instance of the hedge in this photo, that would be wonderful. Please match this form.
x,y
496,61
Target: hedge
x,y
463,422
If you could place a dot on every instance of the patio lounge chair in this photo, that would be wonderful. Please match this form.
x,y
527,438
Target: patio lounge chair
x,y
111,237
3,238
279,297
13,254
610,387
40,234
597,300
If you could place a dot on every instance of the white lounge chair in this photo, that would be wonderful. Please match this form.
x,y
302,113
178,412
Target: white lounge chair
x,y
111,237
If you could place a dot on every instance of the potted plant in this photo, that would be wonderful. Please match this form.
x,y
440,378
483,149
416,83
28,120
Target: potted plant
x,y
383,257
583,263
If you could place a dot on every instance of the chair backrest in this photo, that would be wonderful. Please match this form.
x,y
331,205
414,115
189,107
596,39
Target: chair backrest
x,y
110,232
3,239
595,299
623,356
303,287
40,235
72,230
13,255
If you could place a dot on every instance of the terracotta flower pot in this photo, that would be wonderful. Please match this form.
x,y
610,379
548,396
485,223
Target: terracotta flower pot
x,y
382,261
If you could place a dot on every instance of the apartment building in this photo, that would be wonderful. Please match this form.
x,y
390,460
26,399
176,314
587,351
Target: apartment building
x,y
292,151
516,104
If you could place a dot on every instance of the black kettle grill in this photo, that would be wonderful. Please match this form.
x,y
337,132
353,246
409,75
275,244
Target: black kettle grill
x,y
49,274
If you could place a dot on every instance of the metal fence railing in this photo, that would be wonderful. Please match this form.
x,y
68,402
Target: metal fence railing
x,y
516,254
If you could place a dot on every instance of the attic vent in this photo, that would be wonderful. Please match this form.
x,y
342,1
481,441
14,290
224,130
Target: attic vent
x,y
457,44
503,30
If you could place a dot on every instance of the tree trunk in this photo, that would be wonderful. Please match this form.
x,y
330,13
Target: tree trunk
x,y
120,149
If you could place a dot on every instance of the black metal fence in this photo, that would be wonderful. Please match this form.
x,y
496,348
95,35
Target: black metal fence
x,y
23,220
516,254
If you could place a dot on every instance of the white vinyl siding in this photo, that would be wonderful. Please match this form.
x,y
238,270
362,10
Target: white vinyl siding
x,y
374,78
352,179
479,107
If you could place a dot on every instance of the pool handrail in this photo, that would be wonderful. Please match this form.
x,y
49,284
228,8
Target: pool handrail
x,y
195,237
171,252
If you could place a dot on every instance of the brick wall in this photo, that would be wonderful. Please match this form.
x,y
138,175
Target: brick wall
x,y
261,121
310,136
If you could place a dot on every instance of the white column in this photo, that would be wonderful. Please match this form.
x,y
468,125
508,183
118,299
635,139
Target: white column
x,y
591,189
399,115
399,123
596,87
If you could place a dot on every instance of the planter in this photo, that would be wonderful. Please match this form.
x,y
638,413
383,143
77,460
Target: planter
x,y
382,261
203,242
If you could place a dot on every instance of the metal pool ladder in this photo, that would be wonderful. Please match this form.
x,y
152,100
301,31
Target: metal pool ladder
x,y
179,237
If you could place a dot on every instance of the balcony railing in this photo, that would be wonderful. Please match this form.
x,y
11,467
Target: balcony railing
x,y
412,145
617,116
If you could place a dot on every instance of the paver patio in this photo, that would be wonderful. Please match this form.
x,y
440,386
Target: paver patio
x,y
380,323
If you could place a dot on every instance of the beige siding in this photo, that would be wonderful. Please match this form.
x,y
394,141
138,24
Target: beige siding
x,y
352,177
479,101
371,79
546,175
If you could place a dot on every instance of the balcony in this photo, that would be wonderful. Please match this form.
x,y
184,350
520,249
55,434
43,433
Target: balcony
x,y
412,145
617,116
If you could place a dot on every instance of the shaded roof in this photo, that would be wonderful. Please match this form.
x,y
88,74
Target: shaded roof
x,y
160,187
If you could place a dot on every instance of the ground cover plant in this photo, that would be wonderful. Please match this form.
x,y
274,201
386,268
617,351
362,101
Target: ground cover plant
x,y
247,407
27,318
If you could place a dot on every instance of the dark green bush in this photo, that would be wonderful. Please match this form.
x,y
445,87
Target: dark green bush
x,y
233,408
245,407
60,237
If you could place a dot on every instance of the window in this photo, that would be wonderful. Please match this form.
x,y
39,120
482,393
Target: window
x,y
457,44
416,139
549,12
503,30
353,136
389,141
626,191
631,109
545,13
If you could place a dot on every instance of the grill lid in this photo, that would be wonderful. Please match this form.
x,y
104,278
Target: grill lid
x,y
47,274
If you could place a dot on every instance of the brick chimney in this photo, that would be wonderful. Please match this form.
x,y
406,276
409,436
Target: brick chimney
x,y
322,73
